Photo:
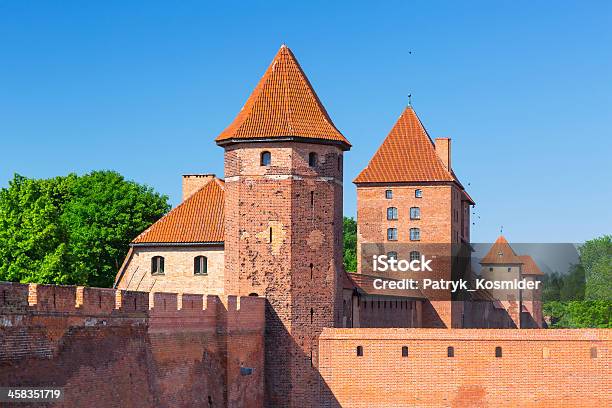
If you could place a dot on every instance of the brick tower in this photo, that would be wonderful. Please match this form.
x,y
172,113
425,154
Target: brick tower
x,y
283,226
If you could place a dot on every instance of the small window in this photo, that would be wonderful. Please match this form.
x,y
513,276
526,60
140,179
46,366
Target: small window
x,y
415,213
392,255
389,194
266,159
418,193
359,351
405,351
200,265
509,269
450,351
312,159
415,234
157,265
490,269
415,255
391,213
593,352
392,234
498,352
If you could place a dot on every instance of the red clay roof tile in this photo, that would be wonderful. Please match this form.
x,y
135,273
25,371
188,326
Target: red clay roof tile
x,y
406,155
283,104
198,219
501,253
529,266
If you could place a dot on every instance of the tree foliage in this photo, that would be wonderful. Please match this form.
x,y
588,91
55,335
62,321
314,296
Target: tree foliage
x,y
583,297
349,229
72,229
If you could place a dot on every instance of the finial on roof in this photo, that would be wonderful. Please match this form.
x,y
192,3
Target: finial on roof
x,y
501,230
409,99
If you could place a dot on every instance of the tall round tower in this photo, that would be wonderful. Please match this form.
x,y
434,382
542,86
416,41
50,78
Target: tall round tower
x,y
283,225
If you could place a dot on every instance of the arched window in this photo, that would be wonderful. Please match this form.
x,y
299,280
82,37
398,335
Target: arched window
x,y
415,234
266,159
405,351
200,265
418,193
450,351
392,213
415,213
312,159
415,255
359,351
392,255
392,234
253,294
498,352
157,265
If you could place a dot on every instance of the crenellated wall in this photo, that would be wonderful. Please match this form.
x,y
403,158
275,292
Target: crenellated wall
x,y
532,368
116,348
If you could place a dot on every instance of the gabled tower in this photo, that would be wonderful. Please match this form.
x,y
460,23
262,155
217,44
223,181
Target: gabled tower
x,y
409,199
283,227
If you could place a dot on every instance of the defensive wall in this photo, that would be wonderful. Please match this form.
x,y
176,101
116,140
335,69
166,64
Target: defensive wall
x,y
485,367
116,348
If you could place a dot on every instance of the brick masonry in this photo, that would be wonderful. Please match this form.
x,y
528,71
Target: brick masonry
x,y
110,348
537,368
283,241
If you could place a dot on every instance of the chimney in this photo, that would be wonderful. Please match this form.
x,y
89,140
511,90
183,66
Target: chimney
x,y
443,148
194,182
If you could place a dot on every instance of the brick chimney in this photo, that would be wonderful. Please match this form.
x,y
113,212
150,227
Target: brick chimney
x,y
194,182
443,148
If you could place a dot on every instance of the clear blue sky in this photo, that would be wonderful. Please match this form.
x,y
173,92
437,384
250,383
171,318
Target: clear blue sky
x,y
523,88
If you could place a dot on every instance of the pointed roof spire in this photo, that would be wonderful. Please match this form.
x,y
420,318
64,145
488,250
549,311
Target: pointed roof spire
x,y
283,105
406,155
501,253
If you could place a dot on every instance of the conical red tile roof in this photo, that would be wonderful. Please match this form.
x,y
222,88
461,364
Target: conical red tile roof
x,y
501,253
283,104
406,155
198,219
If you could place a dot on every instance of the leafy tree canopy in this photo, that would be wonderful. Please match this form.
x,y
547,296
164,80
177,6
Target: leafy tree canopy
x,y
349,229
72,229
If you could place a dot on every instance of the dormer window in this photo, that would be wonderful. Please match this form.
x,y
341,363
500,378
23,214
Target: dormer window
x,y
157,265
418,193
312,159
266,159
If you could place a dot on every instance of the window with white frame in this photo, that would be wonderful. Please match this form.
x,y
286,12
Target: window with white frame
x,y
415,213
392,213
415,234
392,234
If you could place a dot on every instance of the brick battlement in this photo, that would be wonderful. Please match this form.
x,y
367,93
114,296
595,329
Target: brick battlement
x,y
16,298
119,348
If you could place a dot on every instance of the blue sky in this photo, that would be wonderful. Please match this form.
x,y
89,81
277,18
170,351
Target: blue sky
x,y
523,88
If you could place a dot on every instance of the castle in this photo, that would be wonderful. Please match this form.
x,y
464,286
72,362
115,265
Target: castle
x,y
252,264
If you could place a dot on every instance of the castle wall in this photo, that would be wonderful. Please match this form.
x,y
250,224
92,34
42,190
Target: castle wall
x,y
178,274
538,368
110,348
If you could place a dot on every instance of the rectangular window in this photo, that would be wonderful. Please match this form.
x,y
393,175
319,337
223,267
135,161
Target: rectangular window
x,y
391,213
415,234
415,213
388,194
418,193
392,234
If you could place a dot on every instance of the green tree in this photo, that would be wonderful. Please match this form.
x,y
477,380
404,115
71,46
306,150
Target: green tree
x,y
349,229
73,229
